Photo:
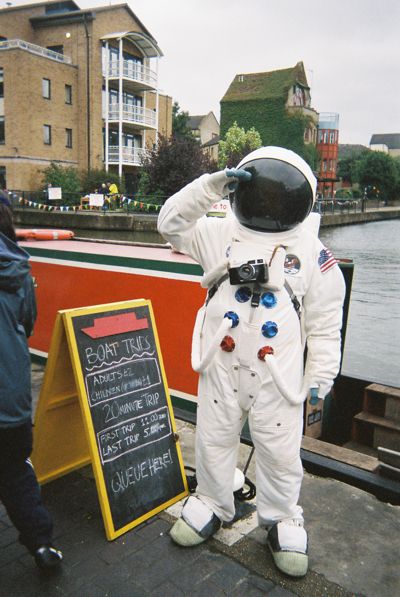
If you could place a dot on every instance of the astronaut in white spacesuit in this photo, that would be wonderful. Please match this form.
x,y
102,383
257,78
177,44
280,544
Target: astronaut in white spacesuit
x,y
273,289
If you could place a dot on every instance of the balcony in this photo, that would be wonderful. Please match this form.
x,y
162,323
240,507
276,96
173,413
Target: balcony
x,y
20,44
140,76
328,121
138,117
131,156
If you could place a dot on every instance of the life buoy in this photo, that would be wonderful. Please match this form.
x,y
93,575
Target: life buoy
x,y
43,234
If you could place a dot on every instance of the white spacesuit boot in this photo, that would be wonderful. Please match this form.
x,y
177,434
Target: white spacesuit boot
x,y
196,524
287,541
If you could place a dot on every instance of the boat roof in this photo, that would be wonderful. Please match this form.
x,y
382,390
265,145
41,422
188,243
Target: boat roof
x,y
115,249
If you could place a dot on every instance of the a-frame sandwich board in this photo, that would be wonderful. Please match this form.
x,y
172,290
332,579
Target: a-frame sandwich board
x,y
105,400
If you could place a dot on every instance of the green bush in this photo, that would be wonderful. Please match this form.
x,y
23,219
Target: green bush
x,y
344,194
65,177
93,179
236,145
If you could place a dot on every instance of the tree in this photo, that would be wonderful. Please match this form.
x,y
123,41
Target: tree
x,y
59,176
348,166
236,145
65,177
378,169
174,163
93,179
180,122
396,161
345,170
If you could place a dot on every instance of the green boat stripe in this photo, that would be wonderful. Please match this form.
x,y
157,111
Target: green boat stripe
x,y
111,260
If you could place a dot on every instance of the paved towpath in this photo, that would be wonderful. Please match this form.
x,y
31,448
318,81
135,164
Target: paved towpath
x,y
354,547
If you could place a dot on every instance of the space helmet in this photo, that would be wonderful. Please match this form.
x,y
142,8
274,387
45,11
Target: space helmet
x,y
279,195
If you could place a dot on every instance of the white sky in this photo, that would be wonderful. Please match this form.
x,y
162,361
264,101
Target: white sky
x,y
350,50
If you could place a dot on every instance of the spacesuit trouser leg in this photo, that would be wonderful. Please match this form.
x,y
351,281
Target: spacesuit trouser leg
x,y
19,488
219,423
279,470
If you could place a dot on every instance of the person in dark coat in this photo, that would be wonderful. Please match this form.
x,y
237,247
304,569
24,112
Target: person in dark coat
x,y
19,488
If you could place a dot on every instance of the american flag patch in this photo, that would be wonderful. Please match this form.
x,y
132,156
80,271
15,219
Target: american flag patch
x,y
326,260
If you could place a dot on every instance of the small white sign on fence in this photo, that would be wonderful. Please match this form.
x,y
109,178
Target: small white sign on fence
x,y
96,199
54,193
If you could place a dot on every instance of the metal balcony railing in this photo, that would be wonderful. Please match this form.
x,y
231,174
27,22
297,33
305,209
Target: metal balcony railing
x,y
9,44
133,156
133,114
133,72
328,120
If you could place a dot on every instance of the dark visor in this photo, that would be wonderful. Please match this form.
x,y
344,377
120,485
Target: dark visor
x,y
278,196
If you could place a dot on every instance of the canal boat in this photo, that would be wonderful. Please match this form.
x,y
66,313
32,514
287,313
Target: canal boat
x,y
341,442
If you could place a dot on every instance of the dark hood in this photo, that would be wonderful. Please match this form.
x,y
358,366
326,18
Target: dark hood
x,y
14,265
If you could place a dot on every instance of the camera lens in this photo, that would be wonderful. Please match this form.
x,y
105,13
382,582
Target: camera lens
x,y
246,272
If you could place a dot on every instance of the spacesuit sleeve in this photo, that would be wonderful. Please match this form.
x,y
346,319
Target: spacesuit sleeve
x,y
322,312
178,221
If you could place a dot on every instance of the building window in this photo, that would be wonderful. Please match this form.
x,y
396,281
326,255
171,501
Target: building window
x,y
332,137
113,62
46,88
132,100
113,95
133,66
60,7
3,183
68,138
47,134
58,49
68,94
1,82
298,96
2,131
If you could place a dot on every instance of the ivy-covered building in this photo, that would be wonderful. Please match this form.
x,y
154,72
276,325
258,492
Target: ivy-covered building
x,y
278,105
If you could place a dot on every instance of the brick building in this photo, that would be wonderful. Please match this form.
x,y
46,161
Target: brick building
x,y
328,149
205,129
79,88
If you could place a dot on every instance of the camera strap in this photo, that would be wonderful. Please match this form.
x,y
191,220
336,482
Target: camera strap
x,y
255,299
214,287
256,295
293,298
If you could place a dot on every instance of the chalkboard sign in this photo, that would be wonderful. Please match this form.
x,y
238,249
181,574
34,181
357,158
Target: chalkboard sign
x,y
127,410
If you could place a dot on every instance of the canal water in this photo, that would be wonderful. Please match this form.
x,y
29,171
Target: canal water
x,y
372,349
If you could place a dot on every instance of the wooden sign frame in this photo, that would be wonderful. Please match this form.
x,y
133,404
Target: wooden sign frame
x,y
65,437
